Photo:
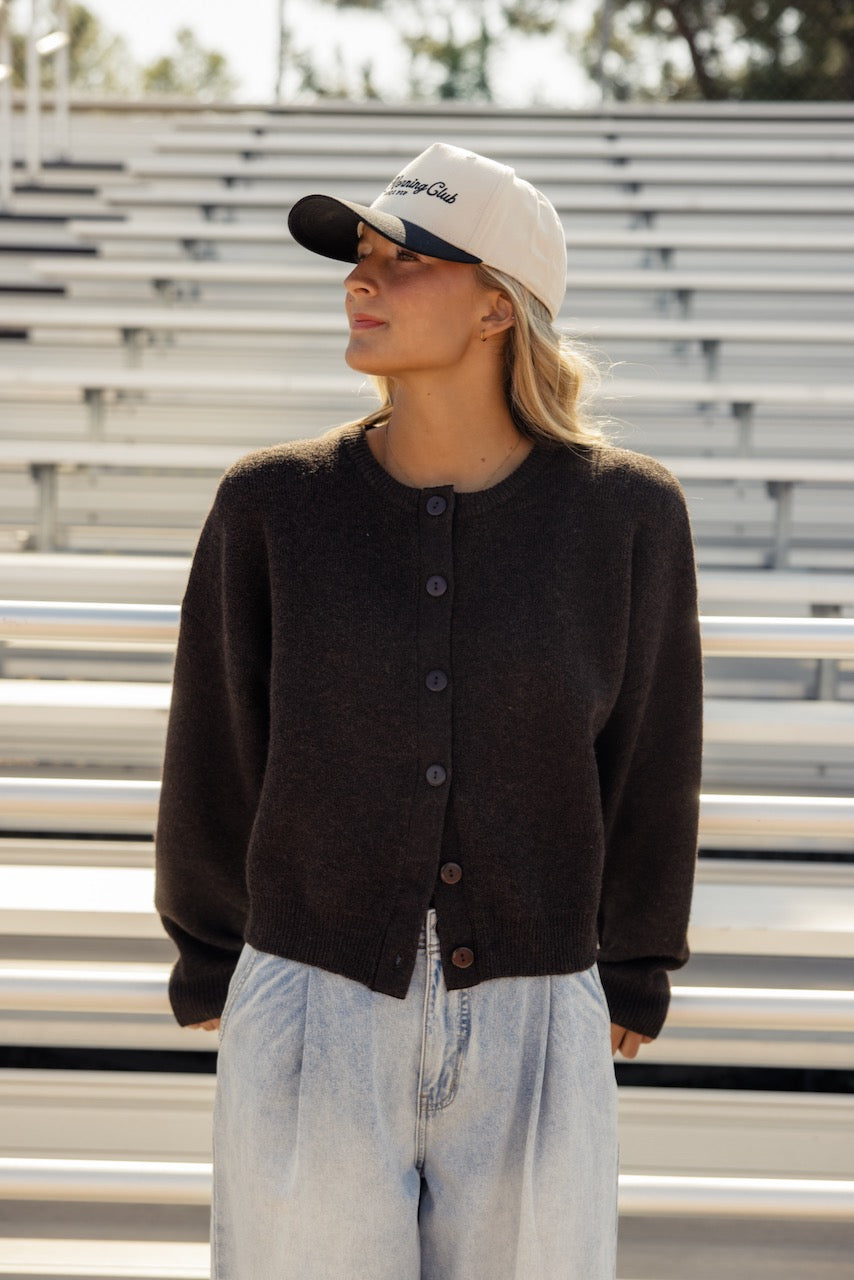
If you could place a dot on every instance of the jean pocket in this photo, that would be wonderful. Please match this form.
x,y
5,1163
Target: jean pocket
x,y
591,980
245,961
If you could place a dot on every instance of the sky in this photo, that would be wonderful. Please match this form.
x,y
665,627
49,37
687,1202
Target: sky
x,y
526,72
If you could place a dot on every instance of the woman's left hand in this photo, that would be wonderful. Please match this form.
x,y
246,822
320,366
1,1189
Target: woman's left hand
x,y
628,1042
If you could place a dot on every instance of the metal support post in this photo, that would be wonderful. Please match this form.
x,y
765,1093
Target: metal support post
x,y
61,74
783,492
685,301
743,414
46,478
827,669
33,97
93,398
5,108
711,349
133,341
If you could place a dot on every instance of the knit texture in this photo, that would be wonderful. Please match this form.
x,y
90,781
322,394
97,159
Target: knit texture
x,y
370,683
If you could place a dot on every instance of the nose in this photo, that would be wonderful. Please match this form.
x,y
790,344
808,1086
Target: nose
x,y
360,279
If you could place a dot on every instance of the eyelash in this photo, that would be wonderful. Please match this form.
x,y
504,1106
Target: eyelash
x,y
402,255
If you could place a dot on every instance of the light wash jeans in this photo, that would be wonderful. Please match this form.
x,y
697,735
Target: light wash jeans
x,y
464,1135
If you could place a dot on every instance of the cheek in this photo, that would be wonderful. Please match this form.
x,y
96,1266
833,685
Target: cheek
x,y
441,320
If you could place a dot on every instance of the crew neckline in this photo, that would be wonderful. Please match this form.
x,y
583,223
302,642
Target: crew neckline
x,y
474,500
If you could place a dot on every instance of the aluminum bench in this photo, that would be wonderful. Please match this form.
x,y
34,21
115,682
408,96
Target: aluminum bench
x,y
623,170
569,145
200,236
136,322
125,579
145,1138
44,459
567,199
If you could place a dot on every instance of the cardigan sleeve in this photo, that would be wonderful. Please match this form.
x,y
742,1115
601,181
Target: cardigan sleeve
x,y
213,767
649,756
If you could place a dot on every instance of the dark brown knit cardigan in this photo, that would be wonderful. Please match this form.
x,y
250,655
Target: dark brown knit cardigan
x,y
374,681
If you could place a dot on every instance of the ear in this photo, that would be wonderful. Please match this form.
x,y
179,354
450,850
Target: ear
x,y
498,315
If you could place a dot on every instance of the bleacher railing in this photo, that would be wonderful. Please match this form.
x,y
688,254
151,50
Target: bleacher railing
x,y
189,1182
736,636
128,806
53,44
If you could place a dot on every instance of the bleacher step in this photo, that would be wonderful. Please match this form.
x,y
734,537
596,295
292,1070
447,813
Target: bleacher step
x,y
72,1259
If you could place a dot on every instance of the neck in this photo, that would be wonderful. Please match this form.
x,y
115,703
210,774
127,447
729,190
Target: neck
x,y
436,437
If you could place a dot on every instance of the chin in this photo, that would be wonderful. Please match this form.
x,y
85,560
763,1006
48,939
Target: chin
x,y
362,362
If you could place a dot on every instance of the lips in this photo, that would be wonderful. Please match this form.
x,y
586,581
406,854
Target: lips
x,y
362,321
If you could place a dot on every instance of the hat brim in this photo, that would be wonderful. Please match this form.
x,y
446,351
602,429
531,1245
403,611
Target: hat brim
x,y
328,226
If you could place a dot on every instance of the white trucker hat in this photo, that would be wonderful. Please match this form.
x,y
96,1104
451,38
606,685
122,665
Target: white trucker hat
x,y
452,204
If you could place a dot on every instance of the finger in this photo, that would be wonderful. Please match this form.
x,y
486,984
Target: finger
x,y
630,1044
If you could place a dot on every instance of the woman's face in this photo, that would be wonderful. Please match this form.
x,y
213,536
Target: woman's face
x,y
408,312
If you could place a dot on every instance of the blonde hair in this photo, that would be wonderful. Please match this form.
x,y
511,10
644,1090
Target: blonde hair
x,y
547,378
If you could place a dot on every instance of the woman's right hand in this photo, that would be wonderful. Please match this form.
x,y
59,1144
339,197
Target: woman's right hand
x,y
210,1025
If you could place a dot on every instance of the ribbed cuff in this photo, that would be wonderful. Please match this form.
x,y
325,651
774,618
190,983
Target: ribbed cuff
x,y
200,996
638,995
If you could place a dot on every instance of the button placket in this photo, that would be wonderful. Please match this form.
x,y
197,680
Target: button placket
x,y
433,678
434,726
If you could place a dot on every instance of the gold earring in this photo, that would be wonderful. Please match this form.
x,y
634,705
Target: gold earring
x,y
483,335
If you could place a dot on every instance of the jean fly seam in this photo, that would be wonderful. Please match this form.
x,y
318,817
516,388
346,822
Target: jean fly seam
x,y
463,1027
420,1112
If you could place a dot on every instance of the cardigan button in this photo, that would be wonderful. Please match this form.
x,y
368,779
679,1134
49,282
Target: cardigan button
x,y
437,680
437,585
436,775
436,504
462,957
451,873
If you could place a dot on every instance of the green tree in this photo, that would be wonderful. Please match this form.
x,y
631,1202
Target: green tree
x,y
99,60
713,49
462,66
192,71
450,43
100,63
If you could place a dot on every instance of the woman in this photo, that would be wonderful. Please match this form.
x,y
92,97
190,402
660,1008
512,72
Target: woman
x,y
428,814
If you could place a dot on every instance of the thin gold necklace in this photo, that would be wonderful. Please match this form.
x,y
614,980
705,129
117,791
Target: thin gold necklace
x,y
389,454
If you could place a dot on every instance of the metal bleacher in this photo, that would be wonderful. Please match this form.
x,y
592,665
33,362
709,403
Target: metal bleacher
x,y
712,259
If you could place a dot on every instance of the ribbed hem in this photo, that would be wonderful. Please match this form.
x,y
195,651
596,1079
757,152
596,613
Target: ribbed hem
x,y
354,439
530,948
353,948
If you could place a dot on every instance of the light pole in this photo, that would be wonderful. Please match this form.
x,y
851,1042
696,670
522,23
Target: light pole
x,y
282,54
606,23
